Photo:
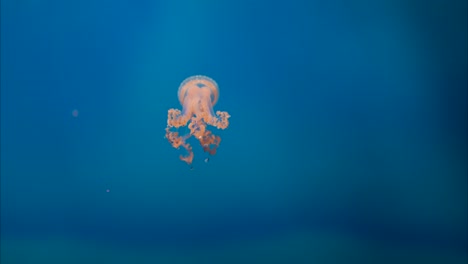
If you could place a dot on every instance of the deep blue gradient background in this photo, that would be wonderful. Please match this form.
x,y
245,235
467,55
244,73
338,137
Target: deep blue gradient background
x,y
347,140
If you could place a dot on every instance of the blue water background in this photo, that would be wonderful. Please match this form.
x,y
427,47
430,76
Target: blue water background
x,y
347,141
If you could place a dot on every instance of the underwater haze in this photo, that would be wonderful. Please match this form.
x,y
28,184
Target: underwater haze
x,y
346,140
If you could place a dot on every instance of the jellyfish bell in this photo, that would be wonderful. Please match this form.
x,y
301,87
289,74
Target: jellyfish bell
x,y
203,83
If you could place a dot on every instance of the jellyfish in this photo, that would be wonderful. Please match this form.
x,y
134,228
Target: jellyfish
x,y
197,95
